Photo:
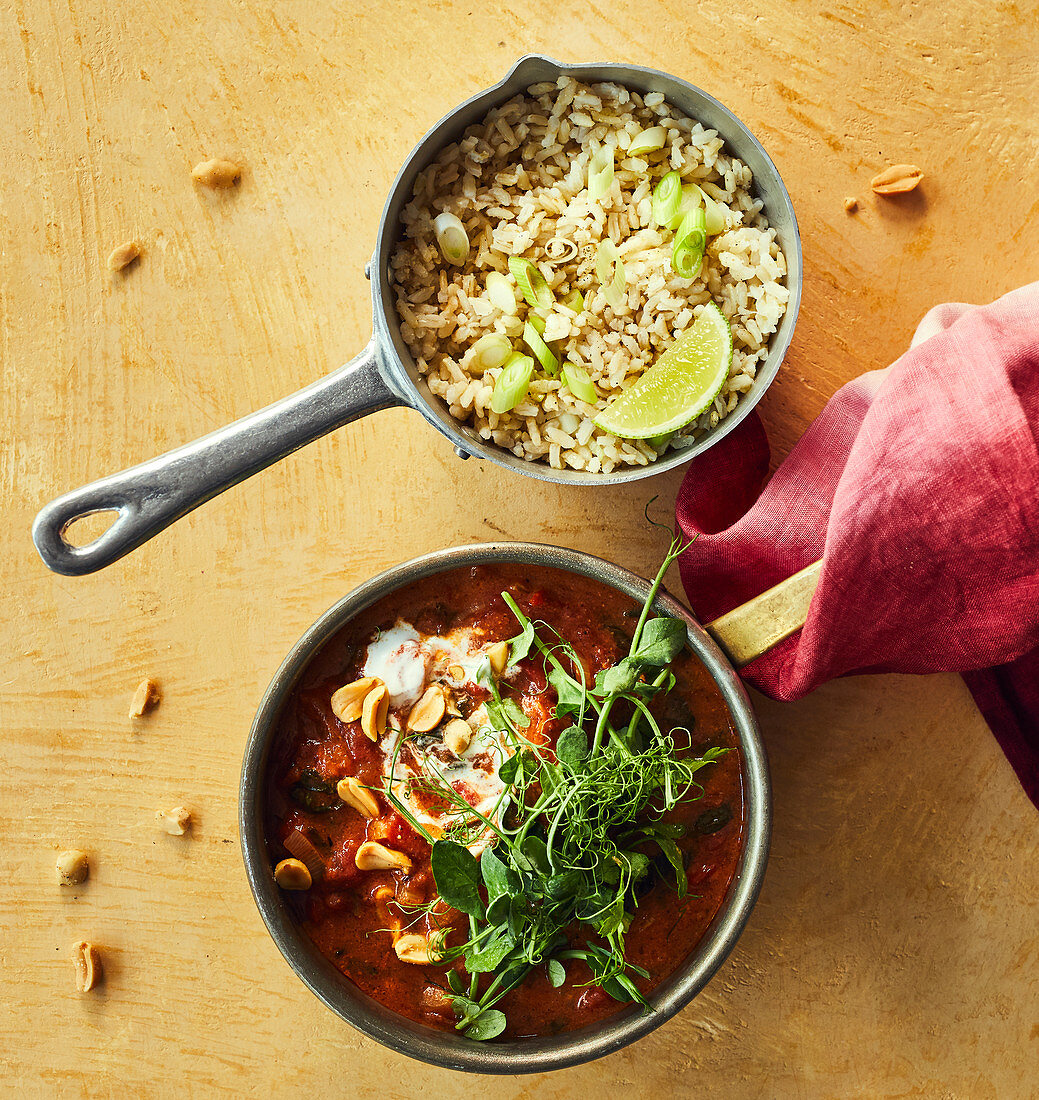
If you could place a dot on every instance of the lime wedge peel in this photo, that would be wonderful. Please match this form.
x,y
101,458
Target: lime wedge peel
x,y
679,386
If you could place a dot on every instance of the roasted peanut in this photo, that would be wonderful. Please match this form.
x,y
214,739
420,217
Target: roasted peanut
x,y
120,258
176,821
428,712
373,712
413,948
896,180
217,173
87,961
293,874
356,795
851,204
72,867
348,701
373,856
145,698
457,735
498,655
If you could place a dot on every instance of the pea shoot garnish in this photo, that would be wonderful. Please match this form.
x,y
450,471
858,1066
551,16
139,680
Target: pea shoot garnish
x,y
577,830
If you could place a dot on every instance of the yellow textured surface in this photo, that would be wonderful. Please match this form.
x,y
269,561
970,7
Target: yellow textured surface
x,y
895,948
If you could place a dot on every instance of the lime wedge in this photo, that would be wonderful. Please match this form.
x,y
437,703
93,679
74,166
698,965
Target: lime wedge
x,y
679,386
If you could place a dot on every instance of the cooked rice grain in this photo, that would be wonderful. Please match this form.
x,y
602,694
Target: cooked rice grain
x,y
517,182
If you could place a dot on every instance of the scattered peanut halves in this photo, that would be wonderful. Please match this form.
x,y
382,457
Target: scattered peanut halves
x,y
427,713
374,710
373,856
145,698
217,173
896,180
175,821
413,948
73,867
120,258
353,792
293,874
457,735
498,655
87,961
348,701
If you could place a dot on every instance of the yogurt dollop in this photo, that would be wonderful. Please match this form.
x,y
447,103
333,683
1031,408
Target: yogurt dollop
x,y
407,661
401,661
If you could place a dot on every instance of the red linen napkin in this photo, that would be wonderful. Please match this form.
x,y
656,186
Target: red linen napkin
x,y
919,487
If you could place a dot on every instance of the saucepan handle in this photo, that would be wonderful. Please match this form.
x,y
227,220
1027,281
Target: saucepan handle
x,y
753,628
149,497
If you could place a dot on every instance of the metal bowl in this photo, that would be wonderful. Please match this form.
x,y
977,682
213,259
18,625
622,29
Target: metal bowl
x,y
149,497
447,1049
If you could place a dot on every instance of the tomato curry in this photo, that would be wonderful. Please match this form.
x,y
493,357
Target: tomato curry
x,y
358,872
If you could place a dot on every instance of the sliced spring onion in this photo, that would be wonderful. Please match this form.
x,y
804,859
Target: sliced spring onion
x,y
690,198
490,351
690,242
574,300
561,249
452,239
667,198
609,269
531,282
715,212
579,384
600,172
659,442
671,208
541,350
500,292
513,383
648,141
537,322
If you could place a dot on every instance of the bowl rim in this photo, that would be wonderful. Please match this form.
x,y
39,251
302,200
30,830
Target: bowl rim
x,y
396,362
442,1048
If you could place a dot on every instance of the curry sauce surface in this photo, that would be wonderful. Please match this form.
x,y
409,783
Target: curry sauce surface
x,y
338,912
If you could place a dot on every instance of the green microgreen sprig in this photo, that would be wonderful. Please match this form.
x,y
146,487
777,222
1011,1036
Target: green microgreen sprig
x,y
575,831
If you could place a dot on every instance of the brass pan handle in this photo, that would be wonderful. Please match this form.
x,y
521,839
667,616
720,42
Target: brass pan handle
x,y
753,628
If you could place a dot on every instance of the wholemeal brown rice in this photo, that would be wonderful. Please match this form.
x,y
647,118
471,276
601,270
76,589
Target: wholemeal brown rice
x,y
518,182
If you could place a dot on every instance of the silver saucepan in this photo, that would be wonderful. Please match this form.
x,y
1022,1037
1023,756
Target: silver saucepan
x,y
149,497
732,640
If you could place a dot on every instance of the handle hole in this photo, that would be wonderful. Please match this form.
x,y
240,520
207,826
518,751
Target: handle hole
x,y
86,529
